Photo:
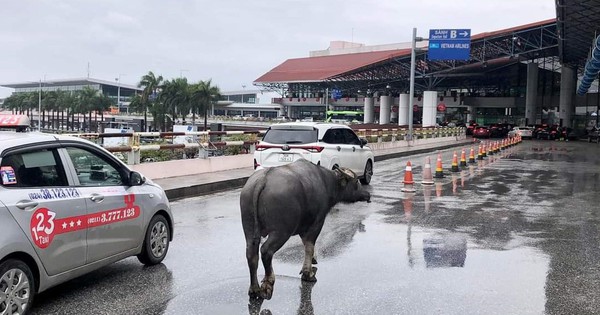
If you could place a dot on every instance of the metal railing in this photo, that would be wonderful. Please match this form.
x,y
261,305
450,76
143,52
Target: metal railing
x,y
205,142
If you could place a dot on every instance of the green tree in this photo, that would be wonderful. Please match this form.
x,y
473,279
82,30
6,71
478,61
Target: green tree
x,y
203,97
68,103
86,103
151,84
176,97
136,105
101,103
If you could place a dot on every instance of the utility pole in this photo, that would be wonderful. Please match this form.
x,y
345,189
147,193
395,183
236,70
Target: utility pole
x,y
40,107
411,92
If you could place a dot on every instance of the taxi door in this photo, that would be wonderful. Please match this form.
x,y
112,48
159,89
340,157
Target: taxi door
x,y
114,219
35,189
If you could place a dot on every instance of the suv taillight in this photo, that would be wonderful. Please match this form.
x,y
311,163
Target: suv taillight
x,y
262,147
314,149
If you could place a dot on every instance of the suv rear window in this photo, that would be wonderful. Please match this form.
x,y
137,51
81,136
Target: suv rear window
x,y
291,136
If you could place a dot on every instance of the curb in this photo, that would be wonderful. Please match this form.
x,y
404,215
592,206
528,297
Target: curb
x,y
234,183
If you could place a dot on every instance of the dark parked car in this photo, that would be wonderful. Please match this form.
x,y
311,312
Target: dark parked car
x,y
553,132
471,127
537,129
498,130
481,132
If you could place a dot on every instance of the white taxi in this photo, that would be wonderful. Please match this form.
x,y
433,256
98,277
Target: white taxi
x,y
67,207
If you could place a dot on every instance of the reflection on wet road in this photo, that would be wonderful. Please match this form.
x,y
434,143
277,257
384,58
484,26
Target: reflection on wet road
x,y
516,233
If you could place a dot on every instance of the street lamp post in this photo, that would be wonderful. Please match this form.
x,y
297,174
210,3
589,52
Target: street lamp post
x,y
411,92
40,107
119,93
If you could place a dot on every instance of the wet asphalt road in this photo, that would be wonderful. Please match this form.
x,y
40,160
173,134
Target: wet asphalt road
x,y
517,233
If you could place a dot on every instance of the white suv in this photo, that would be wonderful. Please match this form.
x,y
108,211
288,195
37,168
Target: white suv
x,y
324,144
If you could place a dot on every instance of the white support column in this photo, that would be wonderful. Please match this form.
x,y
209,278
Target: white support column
x,y
384,109
369,110
470,114
568,82
403,110
429,108
531,93
395,109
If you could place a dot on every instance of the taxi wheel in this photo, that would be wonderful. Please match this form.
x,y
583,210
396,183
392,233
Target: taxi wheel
x,y
156,242
18,287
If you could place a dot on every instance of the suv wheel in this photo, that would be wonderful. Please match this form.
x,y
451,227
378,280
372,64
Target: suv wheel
x,y
366,178
156,242
18,287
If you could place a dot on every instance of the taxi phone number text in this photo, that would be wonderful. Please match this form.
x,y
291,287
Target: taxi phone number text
x,y
55,193
114,215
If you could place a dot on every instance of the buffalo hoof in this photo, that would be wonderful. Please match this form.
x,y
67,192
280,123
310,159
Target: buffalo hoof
x,y
254,292
266,289
310,276
314,261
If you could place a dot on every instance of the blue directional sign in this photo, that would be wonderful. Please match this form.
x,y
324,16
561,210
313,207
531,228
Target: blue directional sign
x,y
449,44
336,94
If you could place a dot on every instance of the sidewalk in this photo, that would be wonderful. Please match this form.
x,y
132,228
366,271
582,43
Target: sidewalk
x,y
210,176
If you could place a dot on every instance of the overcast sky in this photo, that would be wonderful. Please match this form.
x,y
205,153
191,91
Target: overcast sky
x,y
232,42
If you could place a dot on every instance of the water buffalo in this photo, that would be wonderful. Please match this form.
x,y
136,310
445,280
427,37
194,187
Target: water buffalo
x,y
292,199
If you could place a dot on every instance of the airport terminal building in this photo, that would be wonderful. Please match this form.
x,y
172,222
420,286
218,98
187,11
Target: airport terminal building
x,y
526,74
112,89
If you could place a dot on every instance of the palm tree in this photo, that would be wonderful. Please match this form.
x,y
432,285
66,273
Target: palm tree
x,y
101,103
150,83
205,95
50,103
86,103
68,103
176,97
135,104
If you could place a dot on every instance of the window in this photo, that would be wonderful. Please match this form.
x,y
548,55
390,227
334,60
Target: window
x,y
94,170
350,137
291,136
40,168
334,136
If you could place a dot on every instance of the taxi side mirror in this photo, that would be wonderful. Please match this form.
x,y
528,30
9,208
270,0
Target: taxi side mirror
x,y
136,179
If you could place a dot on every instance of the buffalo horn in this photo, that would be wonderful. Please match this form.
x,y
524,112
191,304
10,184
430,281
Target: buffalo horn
x,y
347,172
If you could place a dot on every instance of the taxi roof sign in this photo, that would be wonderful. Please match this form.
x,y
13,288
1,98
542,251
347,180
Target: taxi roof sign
x,y
20,122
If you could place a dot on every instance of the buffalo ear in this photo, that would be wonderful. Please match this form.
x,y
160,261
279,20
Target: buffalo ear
x,y
336,167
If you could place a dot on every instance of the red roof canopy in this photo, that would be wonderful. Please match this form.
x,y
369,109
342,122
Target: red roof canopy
x,y
311,69
323,67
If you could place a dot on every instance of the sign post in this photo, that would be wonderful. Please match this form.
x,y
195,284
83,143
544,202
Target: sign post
x,y
449,44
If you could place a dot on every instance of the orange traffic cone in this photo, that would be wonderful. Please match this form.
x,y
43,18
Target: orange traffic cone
x,y
439,170
408,179
472,155
427,176
484,150
480,153
490,150
463,158
455,163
